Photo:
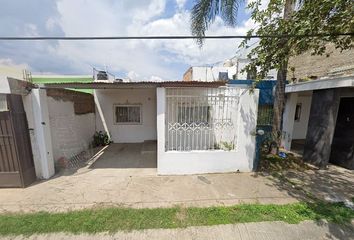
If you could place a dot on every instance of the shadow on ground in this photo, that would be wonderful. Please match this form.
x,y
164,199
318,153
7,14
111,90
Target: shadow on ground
x,y
127,155
320,187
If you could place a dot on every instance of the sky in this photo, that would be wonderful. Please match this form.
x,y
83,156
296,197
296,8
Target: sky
x,y
134,59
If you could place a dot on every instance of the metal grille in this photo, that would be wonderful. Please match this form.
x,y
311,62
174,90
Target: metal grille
x,y
201,119
265,115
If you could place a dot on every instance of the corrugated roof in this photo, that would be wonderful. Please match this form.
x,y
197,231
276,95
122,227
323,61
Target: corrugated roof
x,y
110,85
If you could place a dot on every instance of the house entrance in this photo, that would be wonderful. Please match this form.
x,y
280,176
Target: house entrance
x,y
16,159
342,152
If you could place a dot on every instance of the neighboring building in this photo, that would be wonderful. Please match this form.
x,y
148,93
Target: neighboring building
x,y
319,114
208,74
229,69
15,72
308,67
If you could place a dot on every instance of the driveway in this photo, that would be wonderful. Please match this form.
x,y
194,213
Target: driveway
x,y
125,175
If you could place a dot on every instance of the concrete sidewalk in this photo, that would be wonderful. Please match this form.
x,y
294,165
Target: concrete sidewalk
x,y
139,188
124,176
249,231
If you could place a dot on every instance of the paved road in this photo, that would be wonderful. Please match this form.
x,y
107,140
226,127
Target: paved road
x,y
252,231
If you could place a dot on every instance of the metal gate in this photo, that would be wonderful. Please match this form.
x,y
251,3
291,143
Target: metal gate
x,y
16,159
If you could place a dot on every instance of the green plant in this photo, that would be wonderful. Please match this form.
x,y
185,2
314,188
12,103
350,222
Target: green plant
x,y
101,139
226,146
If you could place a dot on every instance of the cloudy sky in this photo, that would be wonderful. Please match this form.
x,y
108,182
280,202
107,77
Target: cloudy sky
x,y
136,59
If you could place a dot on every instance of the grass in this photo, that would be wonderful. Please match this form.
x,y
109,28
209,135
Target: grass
x,y
115,219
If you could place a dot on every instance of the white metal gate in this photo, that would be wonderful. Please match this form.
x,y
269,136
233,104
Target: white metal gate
x,y
202,118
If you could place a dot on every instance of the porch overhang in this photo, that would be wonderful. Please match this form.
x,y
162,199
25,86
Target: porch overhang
x,y
132,85
327,83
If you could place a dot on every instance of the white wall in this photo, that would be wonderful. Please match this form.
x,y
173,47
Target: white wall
x,y
288,120
37,111
106,98
27,103
195,162
71,133
208,74
300,127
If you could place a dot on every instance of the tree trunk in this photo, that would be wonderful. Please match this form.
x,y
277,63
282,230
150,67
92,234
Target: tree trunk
x,y
279,98
278,108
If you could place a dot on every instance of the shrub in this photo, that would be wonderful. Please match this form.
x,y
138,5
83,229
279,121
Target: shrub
x,y
101,139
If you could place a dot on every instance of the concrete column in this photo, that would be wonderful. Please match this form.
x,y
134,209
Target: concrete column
x,y
288,120
42,133
160,110
322,122
100,118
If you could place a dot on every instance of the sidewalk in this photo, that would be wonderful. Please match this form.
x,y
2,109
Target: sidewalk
x,y
250,231
142,188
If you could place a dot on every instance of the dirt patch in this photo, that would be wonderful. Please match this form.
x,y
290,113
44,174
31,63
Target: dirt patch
x,y
273,163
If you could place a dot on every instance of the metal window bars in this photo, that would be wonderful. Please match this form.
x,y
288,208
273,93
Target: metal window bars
x,y
202,118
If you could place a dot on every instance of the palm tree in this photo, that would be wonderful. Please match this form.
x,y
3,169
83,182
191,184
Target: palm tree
x,y
203,14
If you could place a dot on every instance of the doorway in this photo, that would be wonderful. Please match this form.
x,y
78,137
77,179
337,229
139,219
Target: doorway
x,y
342,150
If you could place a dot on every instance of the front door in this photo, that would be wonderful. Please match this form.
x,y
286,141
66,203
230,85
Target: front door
x,y
342,152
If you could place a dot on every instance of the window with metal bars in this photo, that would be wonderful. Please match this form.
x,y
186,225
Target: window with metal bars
x,y
199,114
127,114
201,119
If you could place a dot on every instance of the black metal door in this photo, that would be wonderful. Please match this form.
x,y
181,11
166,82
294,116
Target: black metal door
x,y
342,151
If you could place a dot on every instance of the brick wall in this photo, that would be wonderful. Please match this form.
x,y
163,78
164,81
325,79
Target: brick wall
x,y
318,66
72,121
83,102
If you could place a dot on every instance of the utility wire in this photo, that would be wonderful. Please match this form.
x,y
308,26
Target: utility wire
x,y
7,38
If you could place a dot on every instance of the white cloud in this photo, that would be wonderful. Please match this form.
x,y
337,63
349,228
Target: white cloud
x,y
10,63
180,3
144,60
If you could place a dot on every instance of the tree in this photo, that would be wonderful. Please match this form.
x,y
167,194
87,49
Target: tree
x,y
322,21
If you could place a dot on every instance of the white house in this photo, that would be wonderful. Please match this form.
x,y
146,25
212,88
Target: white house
x,y
225,70
194,127
199,127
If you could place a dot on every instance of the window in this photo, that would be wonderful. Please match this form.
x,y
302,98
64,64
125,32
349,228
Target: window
x,y
199,114
127,114
298,112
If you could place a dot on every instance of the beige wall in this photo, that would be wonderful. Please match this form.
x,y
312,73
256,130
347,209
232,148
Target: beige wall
x,y
307,65
300,126
9,71
187,76
127,133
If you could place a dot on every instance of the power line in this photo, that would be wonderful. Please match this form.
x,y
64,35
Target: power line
x,y
85,38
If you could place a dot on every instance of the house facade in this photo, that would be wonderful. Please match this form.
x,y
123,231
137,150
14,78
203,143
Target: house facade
x,y
195,127
319,113
199,127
